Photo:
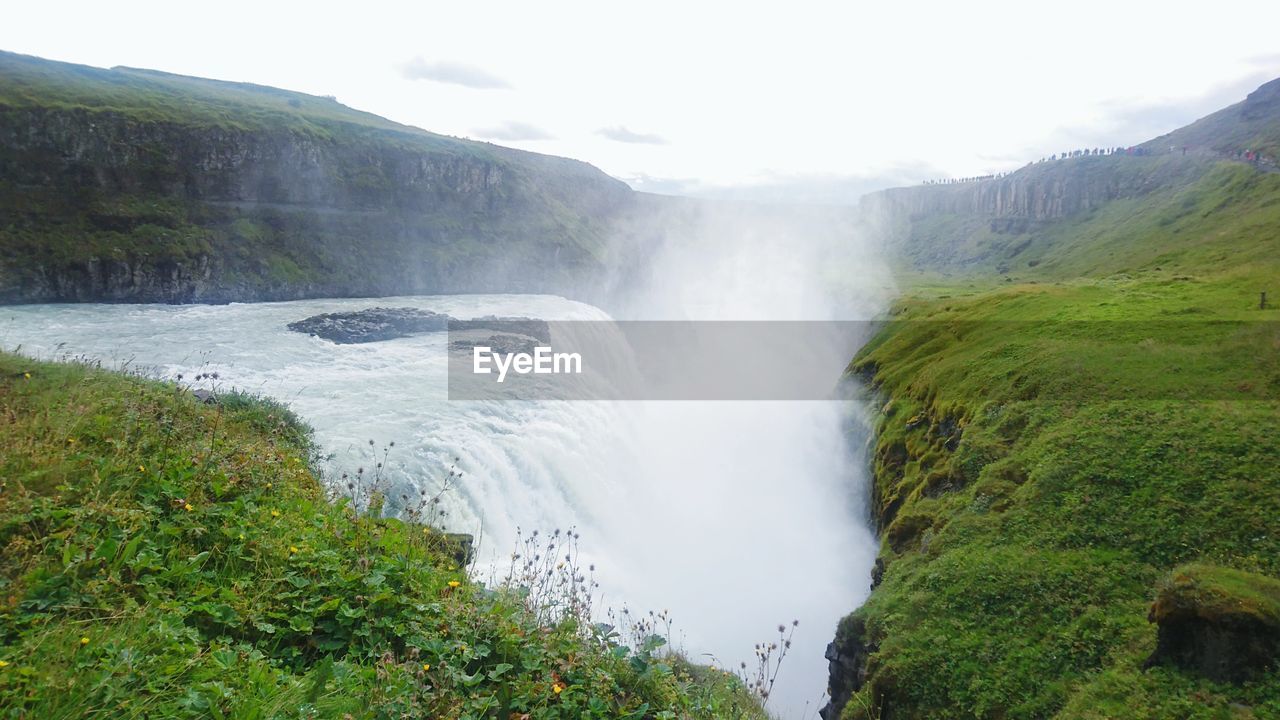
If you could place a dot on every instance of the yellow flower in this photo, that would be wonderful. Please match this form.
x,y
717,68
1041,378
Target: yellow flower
x,y
558,688
241,536
426,531
275,513
188,507
26,375
268,486
71,441
84,641
425,667
454,583
3,664
142,468
292,549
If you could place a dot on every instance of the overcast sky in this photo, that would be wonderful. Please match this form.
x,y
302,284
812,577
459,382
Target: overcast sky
x,y
814,101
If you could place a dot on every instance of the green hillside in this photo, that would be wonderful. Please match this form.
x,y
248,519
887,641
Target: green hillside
x,y
142,186
1077,464
165,558
1249,125
153,96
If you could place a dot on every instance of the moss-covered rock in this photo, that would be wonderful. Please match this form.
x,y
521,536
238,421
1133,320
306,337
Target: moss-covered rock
x,y
1219,622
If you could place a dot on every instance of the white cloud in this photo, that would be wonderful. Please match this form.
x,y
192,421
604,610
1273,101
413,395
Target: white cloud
x,y
621,134
453,73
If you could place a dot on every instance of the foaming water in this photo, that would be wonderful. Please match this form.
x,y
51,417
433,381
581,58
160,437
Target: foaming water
x,y
735,517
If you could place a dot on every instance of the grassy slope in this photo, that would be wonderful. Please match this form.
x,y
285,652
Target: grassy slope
x,y
153,96
1054,443
163,558
58,225
1247,125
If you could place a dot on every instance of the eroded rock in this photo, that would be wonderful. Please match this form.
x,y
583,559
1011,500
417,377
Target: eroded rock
x,y
499,344
371,325
1221,623
847,657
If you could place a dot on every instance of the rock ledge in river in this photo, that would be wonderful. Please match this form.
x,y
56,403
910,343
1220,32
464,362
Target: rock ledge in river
x,y
379,323
371,325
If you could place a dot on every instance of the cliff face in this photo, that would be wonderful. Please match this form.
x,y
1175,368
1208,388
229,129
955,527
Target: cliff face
x,y
110,199
108,152
999,223
1036,194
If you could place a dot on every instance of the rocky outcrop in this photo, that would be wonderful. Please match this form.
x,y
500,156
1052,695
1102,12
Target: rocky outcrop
x,y
847,657
1037,193
459,547
500,344
371,325
1220,623
379,323
1002,222
525,327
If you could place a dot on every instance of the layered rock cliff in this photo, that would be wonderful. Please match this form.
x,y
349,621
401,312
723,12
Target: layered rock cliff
x,y
1046,192
124,185
991,224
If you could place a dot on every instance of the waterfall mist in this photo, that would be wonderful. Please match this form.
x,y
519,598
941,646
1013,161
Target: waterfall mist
x,y
739,516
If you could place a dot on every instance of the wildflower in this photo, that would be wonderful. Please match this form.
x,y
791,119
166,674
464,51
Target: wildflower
x,y
3,664
84,641
241,536
71,441
268,486
26,375
454,583
188,507
426,531
425,667
142,468
275,513
557,688
292,550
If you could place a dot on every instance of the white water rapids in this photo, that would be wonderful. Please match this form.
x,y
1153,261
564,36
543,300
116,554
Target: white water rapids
x,y
734,516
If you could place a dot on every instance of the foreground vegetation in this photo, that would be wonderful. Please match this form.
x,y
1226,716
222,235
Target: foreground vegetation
x,y
167,558
1055,443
